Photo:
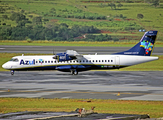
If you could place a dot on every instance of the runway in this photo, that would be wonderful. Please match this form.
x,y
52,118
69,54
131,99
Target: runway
x,y
79,49
121,85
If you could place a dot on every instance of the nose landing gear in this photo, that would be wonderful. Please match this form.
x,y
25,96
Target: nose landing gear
x,y
12,72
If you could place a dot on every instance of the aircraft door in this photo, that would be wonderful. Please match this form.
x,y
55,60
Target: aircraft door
x,y
117,61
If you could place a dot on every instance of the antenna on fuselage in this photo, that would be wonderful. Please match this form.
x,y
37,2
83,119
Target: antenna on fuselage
x,y
53,52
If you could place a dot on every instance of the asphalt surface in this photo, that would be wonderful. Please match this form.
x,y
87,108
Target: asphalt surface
x,y
122,85
68,116
79,49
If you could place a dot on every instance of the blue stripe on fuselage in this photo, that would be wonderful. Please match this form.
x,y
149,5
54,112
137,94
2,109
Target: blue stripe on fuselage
x,y
68,67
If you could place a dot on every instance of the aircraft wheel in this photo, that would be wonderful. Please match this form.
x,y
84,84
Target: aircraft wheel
x,y
72,72
12,72
75,72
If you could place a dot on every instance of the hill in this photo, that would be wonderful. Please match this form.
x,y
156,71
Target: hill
x,y
79,19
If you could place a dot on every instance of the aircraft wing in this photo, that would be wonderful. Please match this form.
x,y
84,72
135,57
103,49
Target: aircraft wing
x,y
73,54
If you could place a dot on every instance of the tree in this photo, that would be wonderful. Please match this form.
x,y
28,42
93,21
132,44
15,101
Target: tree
x,y
75,30
112,5
5,32
65,33
119,5
38,32
5,16
2,10
19,33
140,16
37,20
155,3
18,17
63,25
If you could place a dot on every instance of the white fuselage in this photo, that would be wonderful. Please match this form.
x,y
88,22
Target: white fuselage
x,y
100,61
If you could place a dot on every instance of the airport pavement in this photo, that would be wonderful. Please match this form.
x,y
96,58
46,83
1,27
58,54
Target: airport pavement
x,y
70,116
123,85
79,49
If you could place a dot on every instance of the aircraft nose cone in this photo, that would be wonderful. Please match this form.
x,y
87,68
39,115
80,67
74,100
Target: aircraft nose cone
x,y
5,66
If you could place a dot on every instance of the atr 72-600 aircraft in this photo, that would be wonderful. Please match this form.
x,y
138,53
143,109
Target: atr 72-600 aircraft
x,y
71,61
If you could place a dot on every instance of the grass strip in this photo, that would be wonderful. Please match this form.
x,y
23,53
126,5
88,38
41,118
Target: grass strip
x,y
153,108
75,43
149,66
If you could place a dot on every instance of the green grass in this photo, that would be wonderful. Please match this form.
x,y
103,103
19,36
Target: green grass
x,y
153,108
126,43
149,66
152,16
102,24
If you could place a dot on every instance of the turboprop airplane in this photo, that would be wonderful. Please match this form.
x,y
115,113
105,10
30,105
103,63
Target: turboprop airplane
x,y
71,61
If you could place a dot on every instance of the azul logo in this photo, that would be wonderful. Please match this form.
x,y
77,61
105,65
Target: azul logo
x,y
147,46
27,62
41,61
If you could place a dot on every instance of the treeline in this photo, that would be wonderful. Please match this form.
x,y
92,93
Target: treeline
x,y
50,32
34,30
56,33
101,37
74,13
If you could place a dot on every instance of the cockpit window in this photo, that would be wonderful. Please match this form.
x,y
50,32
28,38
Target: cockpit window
x,y
14,60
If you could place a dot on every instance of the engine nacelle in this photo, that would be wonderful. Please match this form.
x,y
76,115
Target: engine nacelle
x,y
62,57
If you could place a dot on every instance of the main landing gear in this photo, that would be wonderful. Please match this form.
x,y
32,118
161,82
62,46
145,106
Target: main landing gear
x,y
74,72
12,72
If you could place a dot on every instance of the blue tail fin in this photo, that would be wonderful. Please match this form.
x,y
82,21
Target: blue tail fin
x,y
144,47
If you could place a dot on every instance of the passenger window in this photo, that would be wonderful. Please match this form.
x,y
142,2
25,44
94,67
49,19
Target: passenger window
x,y
51,61
102,60
74,61
108,60
105,60
93,60
48,61
99,61
45,61
96,61
111,60
89,60
36,61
